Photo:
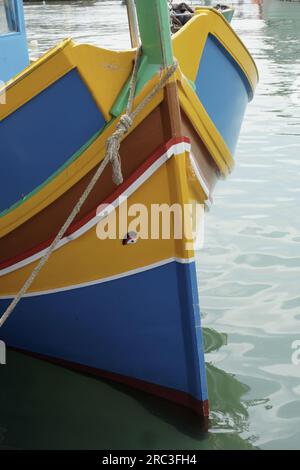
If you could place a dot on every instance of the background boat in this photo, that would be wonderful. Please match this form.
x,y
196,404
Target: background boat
x,y
13,43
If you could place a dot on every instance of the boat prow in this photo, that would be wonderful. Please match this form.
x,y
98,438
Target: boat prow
x,y
125,308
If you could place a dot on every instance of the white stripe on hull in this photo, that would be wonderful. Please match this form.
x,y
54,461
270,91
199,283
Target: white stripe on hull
x,y
107,279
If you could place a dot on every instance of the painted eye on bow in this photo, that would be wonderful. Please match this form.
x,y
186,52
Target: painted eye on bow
x,y
130,238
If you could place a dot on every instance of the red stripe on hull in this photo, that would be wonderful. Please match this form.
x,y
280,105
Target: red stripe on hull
x,y
201,408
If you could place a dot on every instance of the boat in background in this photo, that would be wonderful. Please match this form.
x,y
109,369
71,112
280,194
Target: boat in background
x,y
182,12
226,10
13,43
120,310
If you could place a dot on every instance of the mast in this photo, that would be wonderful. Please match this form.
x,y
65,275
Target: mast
x,y
155,32
133,25
157,53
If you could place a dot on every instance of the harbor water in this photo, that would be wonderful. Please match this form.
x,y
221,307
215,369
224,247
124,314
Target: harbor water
x,y
248,273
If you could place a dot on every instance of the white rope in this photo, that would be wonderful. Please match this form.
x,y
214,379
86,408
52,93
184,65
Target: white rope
x,y
112,156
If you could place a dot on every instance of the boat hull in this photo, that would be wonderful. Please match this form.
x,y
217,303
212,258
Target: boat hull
x,y
124,312
128,312
141,329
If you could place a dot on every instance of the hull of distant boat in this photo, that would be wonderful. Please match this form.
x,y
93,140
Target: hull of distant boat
x,y
128,312
13,43
225,10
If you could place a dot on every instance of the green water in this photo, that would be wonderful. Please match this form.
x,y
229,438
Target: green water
x,y
248,275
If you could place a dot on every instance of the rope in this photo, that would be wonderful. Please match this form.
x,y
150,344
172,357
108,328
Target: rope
x,y
111,156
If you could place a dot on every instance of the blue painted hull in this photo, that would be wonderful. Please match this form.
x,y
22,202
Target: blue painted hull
x,y
142,329
223,89
41,136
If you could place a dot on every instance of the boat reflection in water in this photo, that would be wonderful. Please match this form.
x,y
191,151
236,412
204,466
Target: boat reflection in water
x,y
111,416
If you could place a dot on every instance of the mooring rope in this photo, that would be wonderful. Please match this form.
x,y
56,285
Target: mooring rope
x,y
112,156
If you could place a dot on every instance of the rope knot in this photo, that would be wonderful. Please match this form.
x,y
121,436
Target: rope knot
x,y
113,147
125,122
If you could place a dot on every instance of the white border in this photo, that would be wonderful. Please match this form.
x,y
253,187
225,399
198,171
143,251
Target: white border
x,y
202,181
106,279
